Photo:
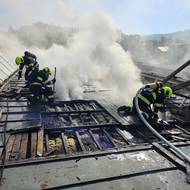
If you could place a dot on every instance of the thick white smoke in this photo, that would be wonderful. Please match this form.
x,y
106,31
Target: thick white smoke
x,y
10,45
89,54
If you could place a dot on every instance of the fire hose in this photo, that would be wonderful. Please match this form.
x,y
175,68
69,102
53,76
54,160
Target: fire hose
x,y
184,157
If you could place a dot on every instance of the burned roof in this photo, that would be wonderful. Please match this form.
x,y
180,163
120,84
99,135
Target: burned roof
x,y
85,144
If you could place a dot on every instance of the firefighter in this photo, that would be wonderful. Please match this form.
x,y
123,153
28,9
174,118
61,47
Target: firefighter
x,y
155,97
28,61
39,84
130,110
161,95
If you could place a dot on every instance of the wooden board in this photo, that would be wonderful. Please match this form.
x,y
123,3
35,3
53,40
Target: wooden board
x,y
33,144
16,147
40,145
80,141
47,143
9,146
65,145
23,146
1,150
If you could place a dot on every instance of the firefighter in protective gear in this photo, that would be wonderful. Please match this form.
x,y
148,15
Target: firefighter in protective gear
x,y
28,61
39,84
146,98
152,97
161,95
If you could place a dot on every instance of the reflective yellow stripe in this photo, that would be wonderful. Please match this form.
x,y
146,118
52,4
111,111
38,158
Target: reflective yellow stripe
x,y
36,83
40,78
29,73
36,64
144,99
158,105
154,95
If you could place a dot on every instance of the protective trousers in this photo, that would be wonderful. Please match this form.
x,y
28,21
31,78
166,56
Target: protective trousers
x,y
144,108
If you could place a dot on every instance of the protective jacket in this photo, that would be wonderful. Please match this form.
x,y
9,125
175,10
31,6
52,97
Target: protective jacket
x,y
159,104
148,98
39,85
42,78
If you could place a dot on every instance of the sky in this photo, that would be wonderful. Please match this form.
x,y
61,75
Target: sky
x,y
131,16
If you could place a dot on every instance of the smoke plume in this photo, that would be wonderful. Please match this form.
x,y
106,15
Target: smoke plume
x,y
88,54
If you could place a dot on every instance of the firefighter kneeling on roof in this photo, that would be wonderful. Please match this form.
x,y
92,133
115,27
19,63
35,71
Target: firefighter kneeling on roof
x,y
153,95
39,85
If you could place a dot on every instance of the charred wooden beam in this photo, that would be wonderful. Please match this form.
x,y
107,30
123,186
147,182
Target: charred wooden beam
x,y
176,71
110,138
181,85
80,141
65,145
95,140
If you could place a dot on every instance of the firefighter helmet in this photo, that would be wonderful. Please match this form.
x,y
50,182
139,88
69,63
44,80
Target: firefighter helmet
x,y
167,91
19,60
47,70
